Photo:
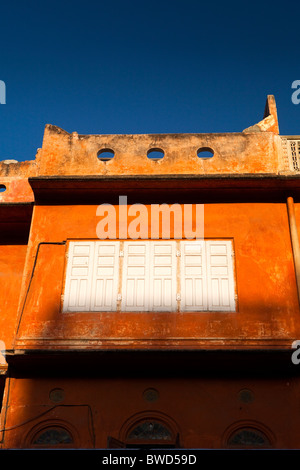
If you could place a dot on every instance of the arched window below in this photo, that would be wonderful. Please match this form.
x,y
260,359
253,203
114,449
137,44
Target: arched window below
x,y
147,432
248,437
151,433
53,437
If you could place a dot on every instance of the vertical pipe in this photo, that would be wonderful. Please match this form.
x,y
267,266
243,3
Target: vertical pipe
x,y
294,240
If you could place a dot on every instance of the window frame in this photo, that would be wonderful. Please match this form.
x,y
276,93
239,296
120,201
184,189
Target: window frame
x,y
50,424
178,266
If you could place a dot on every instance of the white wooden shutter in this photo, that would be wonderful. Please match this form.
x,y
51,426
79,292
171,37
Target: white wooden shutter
x,y
220,276
149,276
78,283
193,276
105,276
163,276
135,280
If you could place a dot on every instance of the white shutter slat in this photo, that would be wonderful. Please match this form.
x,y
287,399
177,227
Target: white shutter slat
x,y
105,276
193,276
163,276
78,282
135,280
220,275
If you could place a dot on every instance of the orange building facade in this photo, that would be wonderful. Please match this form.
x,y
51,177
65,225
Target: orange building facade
x,y
131,338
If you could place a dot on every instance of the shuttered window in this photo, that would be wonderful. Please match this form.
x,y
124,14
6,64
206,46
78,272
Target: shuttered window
x,y
163,276
220,282
150,275
207,281
105,276
79,276
193,276
92,277
135,282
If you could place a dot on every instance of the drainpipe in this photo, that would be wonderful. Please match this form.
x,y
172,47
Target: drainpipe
x,y
294,240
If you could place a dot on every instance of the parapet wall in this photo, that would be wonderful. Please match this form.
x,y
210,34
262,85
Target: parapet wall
x,y
255,151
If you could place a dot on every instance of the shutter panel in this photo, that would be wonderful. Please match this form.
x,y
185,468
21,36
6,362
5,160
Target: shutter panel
x,y
135,281
163,276
220,275
78,284
193,276
105,276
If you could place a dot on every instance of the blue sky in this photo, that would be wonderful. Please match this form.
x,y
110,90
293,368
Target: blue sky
x,y
126,67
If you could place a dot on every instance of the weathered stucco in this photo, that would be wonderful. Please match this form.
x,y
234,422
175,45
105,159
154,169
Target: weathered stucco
x,y
256,150
197,363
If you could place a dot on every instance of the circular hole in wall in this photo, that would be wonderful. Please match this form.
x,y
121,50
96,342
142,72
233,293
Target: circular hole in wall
x,y
105,155
246,396
2,188
155,154
57,395
205,152
150,395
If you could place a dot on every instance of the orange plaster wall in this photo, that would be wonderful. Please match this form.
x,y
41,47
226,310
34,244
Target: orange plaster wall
x,y
267,307
202,410
17,190
12,259
72,154
297,215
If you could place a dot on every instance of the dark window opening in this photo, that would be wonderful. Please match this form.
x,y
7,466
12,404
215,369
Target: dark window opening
x,y
150,430
53,437
151,434
248,437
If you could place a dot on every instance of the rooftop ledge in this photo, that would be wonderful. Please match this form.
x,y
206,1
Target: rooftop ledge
x,y
164,188
147,161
